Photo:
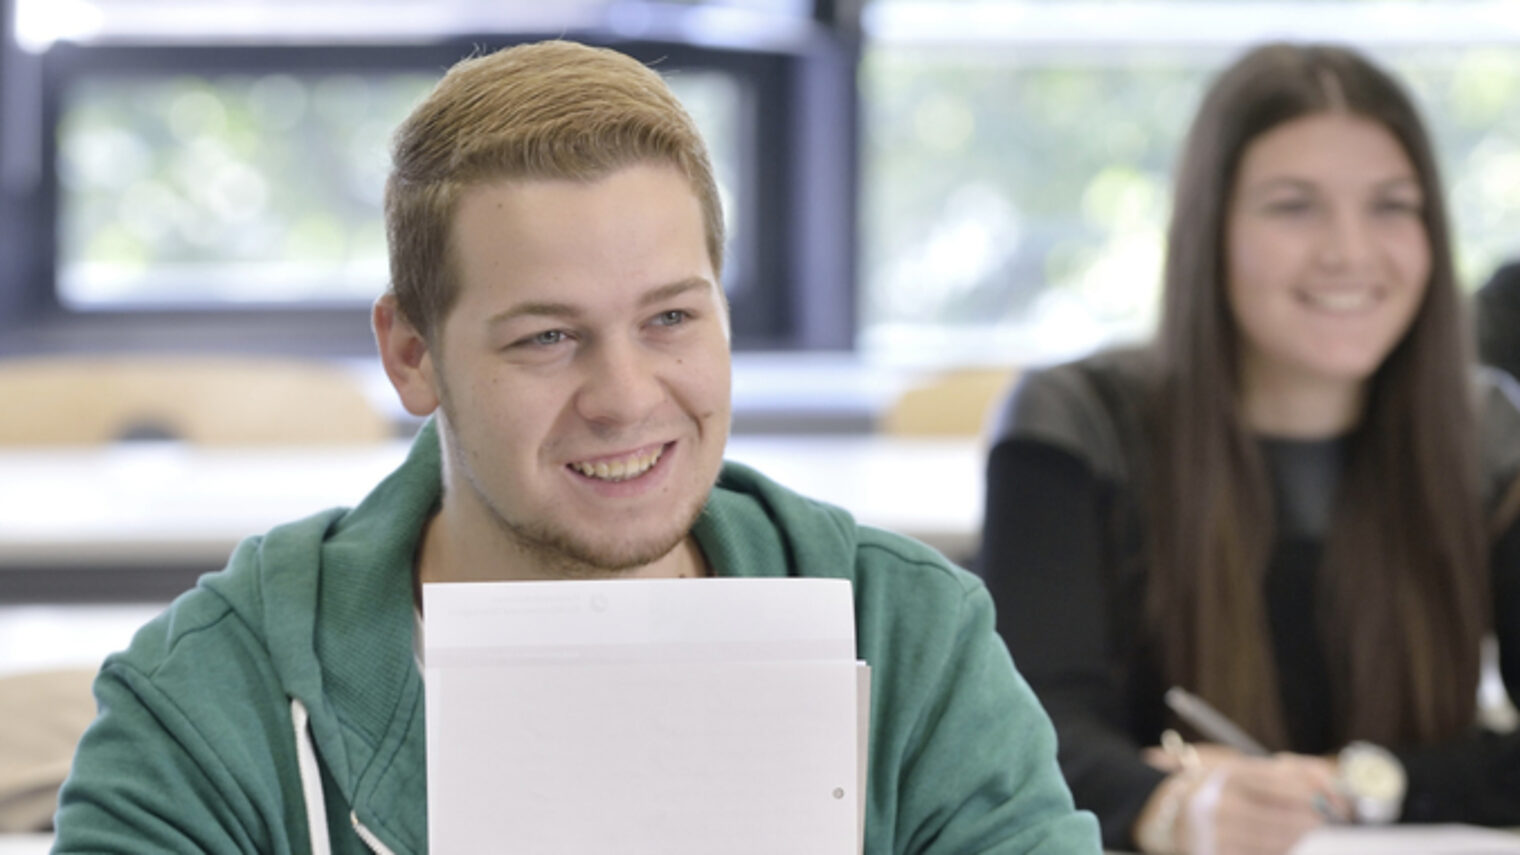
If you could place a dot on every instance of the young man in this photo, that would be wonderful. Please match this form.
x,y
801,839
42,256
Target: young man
x,y
556,242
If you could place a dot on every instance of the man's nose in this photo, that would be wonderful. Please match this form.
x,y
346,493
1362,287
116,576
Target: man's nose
x,y
621,384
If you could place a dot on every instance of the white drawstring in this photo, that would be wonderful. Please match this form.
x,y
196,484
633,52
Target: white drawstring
x,y
311,781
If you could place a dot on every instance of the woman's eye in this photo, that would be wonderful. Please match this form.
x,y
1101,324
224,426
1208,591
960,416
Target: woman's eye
x,y
1398,207
1289,207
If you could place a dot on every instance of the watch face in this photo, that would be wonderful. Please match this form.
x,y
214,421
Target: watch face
x,y
1370,774
1374,779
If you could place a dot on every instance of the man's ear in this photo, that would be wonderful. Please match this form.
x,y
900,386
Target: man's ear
x,y
405,355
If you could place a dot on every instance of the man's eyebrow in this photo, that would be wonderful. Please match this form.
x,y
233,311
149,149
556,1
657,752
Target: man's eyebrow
x,y
549,309
537,309
673,290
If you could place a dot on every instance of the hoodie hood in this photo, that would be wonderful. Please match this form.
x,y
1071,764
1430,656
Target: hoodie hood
x,y
333,596
752,526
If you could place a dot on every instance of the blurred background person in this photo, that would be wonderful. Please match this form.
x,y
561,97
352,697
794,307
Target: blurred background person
x,y
1296,502
1497,310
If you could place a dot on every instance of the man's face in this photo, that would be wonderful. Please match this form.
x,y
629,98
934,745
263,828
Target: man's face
x,y
584,369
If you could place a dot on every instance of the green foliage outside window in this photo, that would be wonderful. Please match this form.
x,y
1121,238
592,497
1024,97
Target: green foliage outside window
x,y
254,188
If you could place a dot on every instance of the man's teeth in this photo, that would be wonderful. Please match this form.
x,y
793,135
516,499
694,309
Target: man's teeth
x,y
620,470
1339,301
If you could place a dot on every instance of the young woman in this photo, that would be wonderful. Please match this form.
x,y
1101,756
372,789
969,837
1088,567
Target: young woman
x,y
1297,503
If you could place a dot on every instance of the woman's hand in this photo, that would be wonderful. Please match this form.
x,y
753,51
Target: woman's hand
x,y
1204,755
1260,805
1233,804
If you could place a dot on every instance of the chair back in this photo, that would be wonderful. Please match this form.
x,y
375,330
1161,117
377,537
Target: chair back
x,y
953,403
215,400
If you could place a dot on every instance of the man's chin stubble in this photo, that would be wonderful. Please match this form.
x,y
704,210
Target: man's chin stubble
x,y
558,554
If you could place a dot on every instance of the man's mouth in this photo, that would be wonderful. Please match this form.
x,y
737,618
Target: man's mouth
x,y
623,468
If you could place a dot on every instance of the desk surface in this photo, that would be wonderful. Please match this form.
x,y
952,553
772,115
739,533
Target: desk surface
x,y
141,505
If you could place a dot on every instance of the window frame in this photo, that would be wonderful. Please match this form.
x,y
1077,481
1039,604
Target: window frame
x,y
792,276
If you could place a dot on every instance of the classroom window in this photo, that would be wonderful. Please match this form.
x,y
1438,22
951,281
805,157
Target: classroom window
x,y
184,176
207,190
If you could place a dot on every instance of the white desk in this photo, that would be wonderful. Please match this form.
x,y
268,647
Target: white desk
x,y
25,844
147,505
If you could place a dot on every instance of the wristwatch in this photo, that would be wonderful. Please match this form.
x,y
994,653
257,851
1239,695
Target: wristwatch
x,y
1374,780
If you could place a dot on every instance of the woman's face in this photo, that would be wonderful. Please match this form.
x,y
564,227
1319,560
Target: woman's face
x,y
1327,256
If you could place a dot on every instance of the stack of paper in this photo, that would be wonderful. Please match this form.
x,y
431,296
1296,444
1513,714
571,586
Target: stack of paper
x,y
649,716
1408,840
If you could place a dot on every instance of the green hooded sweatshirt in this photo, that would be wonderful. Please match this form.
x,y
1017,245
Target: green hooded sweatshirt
x,y
199,739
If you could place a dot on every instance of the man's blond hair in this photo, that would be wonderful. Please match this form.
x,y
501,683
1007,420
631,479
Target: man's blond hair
x,y
550,110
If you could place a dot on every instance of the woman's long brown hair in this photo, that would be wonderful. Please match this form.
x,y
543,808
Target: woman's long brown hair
x,y
1402,576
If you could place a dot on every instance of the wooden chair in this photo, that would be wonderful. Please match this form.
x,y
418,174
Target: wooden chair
x,y
217,400
953,403
44,714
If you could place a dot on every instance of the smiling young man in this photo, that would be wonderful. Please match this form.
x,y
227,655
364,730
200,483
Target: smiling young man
x,y
583,377
556,308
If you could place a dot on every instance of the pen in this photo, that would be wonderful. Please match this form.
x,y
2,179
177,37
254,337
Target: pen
x,y
1211,722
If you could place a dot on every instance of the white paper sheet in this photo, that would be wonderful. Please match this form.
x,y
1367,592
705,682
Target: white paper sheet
x,y
862,750
652,716
1409,840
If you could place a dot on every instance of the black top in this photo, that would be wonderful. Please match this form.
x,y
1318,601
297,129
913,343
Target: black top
x,y
1062,553
1496,308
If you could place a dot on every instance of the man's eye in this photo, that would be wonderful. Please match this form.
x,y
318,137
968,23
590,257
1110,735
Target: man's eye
x,y
671,318
546,338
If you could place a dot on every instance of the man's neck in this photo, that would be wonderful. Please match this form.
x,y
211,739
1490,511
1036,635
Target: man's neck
x,y
444,554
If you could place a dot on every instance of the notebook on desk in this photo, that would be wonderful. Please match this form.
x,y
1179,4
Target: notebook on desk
x,y
1409,840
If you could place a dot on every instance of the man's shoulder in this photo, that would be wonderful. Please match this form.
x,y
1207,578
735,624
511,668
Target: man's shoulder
x,y
231,610
892,559
909,597
192,620
199,656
